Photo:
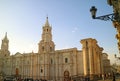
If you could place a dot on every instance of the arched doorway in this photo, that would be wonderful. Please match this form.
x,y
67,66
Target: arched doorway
x,y
66,76
17,75
17,71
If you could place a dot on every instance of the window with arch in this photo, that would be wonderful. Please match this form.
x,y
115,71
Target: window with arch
x,y
51,61
66,60
50,48
41,70
86,44
42,48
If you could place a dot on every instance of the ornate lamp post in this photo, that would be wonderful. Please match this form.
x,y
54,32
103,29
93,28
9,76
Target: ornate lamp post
x,y
111,17
114,17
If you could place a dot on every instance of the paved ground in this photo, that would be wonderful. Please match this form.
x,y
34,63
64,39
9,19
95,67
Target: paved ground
x,y
109,80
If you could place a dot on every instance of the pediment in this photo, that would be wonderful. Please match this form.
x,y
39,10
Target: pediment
x,y
18,54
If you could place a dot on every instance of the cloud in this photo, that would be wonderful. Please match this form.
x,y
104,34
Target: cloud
x,y
74,30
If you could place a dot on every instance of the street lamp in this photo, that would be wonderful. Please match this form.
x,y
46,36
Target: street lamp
x,y
114,17
111,17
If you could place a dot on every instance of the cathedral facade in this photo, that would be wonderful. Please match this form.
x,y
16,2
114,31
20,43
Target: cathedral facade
x,y
51,64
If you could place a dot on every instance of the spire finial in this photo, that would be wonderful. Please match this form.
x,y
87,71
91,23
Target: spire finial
x,y
47,23
5,38
47,16
6,35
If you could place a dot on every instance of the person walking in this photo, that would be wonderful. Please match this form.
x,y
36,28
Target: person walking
x,y
114,78
103,77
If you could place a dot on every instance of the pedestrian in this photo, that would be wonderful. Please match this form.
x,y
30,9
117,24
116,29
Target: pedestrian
x,y
109,75
103,77
114,78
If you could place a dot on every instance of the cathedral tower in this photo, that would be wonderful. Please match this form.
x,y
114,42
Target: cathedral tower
x,y
5,46
46,44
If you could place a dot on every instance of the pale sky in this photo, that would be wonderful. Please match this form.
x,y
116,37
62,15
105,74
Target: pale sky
x,y
70,20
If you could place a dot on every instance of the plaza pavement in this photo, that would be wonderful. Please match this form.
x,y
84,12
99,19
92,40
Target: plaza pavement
x,y
109,80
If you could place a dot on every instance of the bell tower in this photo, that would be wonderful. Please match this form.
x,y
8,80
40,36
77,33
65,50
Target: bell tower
x,y
46,44
5,46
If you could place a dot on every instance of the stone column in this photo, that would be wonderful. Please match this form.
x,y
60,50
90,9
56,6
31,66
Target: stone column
x,y
94,58
90,58
85,57
101,66
90,67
